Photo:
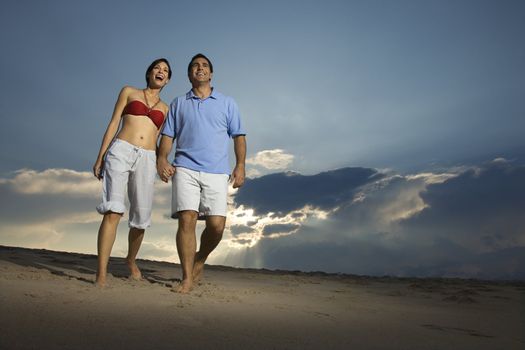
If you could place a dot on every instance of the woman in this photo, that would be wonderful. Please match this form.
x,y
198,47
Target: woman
x,y
127,162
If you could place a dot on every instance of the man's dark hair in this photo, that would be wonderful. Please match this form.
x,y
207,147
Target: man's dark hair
x,y
153,64
200,55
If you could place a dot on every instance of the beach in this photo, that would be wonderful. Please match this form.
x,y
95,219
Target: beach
x,y
48,301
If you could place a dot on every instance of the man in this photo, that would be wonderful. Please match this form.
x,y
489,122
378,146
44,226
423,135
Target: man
x,y
202,122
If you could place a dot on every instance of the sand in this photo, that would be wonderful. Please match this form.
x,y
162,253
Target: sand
x,y
48,301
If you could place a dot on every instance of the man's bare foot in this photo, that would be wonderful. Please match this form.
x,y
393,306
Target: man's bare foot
x,y
184,287
101,281
134,270
198,268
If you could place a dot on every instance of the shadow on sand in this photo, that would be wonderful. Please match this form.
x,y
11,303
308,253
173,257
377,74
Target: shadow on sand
x,y
81,267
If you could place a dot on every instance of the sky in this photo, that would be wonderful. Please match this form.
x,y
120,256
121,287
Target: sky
x,y
384,137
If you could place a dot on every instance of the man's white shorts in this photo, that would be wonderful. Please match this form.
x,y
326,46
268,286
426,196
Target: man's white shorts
x,y
202,192
133,168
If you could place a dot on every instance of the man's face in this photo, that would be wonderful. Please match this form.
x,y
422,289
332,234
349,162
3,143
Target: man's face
x,y
200,71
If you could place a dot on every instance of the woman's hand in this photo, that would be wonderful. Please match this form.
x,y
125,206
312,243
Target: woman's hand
x,y
97,169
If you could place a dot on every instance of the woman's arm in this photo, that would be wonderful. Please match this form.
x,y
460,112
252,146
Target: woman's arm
x,y
164,168
112,128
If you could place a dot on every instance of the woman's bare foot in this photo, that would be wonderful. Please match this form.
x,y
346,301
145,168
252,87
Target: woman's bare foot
x,y
134,270
184,287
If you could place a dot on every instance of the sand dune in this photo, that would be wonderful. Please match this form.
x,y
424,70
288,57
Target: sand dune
x,y
48,301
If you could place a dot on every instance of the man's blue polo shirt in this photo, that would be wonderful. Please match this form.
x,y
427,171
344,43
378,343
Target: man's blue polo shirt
x,y
202,130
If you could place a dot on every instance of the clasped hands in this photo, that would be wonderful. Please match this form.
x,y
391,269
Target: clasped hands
x,y
165,170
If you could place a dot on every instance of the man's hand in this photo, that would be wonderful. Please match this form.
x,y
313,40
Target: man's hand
x,y
165,169
238,175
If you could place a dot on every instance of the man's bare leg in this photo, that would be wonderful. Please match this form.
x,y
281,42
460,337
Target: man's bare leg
x,y
106,238
186,247
210,238
134,241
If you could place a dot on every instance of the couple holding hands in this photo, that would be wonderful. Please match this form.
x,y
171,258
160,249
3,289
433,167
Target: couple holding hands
x,y
201,122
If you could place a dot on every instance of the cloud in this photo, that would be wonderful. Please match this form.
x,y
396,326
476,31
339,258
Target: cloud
x,y
238,229
462,222
275,159
279,229
46,200
465,221
53,181
481,208
284,192
60,196
55,209
246,229
268,160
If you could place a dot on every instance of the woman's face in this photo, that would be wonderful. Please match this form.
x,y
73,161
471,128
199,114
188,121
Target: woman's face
x,y
158,76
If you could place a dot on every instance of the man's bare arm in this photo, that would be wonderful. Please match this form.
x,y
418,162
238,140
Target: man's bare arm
x,y
239,172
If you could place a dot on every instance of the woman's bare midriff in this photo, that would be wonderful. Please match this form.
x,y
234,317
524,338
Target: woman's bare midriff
x,y
139,131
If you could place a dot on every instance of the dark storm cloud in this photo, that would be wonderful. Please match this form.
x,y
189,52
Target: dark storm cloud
x,y
285,192
469,223
237,229
485,204
279,228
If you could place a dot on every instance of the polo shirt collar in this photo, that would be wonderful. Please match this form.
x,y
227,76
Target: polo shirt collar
x,y
214,94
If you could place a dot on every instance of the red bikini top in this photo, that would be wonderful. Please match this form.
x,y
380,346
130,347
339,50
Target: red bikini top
x,y
137,107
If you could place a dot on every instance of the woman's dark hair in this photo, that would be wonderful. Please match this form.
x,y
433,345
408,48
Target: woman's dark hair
x,y
153,64
200,55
